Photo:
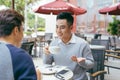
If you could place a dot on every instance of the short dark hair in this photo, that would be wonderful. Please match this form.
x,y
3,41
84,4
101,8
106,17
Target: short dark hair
x,y
9,19
66,15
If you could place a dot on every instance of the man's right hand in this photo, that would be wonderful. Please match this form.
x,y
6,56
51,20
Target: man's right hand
x,y
46,50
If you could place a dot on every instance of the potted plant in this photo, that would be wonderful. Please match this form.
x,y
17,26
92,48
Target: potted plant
x,y
114,30
114,27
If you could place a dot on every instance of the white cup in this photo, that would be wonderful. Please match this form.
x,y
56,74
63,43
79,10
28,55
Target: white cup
x,y
54,49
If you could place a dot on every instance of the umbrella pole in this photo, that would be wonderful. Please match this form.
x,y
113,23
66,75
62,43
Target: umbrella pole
x,y
114,1
74,24
36,20
13,4
106,23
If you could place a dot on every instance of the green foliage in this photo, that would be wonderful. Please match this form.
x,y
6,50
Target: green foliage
x,y
114,27
41,23
6,3
20,6
40,29
31,1
31,21
28,33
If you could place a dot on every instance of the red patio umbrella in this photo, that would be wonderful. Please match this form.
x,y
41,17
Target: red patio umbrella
x,y
111,10
58,6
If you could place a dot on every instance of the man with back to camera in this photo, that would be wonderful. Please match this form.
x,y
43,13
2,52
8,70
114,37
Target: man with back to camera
x,y
75,52
15,63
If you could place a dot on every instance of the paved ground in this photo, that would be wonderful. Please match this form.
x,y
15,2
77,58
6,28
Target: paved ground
x,y
114,75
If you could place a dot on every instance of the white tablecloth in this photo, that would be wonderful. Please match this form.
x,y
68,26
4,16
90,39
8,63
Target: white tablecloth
x,y
48,72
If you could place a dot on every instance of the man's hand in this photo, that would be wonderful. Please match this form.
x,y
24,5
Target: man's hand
x,y
46,50
38,74
74,58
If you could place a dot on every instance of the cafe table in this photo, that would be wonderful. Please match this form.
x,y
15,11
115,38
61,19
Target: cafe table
x,y
55,72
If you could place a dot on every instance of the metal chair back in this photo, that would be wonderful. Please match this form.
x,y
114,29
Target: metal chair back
x,y
28,46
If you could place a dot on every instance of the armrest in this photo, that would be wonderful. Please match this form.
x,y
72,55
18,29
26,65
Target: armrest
x,y
111,55
112,51
97,73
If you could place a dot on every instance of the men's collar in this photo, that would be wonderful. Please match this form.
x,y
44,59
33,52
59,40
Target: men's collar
x,y
72,40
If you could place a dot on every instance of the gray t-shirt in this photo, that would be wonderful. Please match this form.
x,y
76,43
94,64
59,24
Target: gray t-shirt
x,y
6,68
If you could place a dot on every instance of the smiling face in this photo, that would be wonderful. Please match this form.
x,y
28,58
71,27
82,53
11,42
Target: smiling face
x,y
63,30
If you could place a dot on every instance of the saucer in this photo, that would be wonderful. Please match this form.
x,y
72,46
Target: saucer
x,y
48,71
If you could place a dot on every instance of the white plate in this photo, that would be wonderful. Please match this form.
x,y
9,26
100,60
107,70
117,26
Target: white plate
x,y
47,70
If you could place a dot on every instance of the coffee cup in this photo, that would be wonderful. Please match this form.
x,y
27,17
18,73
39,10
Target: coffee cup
x,y
54,49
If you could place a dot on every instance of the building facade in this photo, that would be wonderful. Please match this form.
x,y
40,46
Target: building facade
x,y
93,21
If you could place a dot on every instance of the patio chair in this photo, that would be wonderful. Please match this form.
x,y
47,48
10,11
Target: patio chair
x,y
108,53
114,43
81,35
103,42
112,63
28,46
113,52
48,37
97,72
97,36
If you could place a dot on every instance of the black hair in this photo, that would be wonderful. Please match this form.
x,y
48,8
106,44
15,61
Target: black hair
x,y
66,15
9,19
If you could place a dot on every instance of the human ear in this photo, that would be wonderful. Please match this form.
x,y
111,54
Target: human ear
x,y
15,30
